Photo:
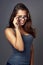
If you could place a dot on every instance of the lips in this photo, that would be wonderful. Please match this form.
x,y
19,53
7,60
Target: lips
x,y
21,22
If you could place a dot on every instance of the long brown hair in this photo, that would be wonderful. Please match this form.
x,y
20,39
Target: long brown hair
x,y
21,6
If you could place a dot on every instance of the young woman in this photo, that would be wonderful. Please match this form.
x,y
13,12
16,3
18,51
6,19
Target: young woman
x,y
20,34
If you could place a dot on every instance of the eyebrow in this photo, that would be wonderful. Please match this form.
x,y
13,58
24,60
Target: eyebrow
x,y
23,15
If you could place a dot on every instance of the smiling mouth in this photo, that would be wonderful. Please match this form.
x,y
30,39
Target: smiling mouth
x,y
22,23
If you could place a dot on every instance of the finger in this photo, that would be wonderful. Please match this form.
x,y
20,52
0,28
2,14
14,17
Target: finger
x,y
16,17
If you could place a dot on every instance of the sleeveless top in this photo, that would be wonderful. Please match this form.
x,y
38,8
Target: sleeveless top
x,y
22,57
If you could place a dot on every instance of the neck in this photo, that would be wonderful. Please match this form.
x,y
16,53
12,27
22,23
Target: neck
x,y
23,31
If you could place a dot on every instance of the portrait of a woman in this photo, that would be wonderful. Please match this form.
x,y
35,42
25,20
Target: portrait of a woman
x,y
20,35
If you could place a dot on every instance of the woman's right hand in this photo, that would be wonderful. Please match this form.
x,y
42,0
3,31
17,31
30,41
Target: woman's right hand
x,y
15,22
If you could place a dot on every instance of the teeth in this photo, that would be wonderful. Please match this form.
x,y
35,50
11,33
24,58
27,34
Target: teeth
x,y
21,22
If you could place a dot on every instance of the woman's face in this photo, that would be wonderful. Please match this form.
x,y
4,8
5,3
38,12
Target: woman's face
x,y
22,17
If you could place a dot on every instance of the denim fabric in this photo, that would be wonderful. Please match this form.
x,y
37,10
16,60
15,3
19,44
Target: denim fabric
x,y
16,64
22,58
8,63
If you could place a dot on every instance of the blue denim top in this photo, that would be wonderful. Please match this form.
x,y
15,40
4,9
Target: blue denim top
x,y
22,57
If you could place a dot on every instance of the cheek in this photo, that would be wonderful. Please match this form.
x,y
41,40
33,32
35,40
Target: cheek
x,y
25,21
21,21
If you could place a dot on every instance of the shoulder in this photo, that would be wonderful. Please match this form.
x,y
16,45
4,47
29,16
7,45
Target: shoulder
x,y
9,30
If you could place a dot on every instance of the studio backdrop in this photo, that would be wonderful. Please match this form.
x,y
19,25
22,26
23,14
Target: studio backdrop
x,y
36,10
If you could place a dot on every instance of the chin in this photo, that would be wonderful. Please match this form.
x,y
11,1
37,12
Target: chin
x,y
22,24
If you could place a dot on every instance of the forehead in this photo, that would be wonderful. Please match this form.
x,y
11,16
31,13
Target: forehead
x,y
21,12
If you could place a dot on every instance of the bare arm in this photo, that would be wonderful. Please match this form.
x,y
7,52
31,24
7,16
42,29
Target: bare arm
x,y
32,56
16,41
19,41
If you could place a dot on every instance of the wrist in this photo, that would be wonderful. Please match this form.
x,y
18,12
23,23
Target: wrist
x,y
17,28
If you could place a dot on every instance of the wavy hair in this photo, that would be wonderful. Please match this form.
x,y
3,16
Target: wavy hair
x,y
21,6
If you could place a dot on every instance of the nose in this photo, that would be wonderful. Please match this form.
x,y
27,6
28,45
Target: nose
x,y
23,19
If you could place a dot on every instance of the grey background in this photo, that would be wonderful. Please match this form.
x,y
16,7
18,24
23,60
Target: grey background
x,y
36,11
